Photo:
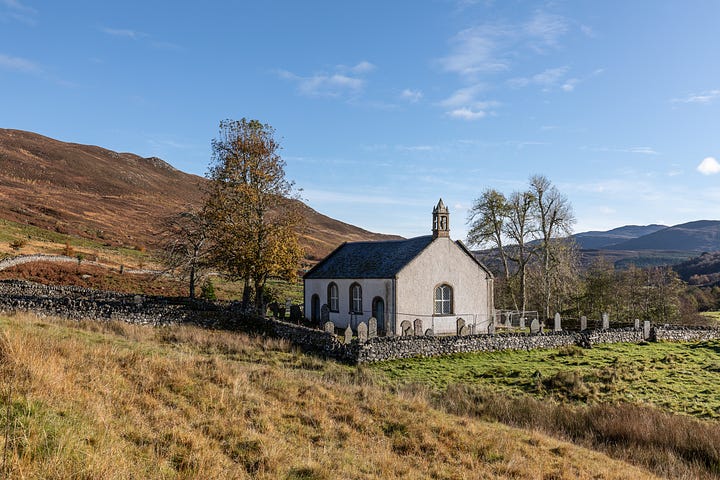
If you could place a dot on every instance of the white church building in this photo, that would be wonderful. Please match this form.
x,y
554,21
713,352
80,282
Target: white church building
x,y
431,278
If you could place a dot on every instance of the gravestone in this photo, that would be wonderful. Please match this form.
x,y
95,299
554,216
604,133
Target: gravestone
x,y
362,330
274,309
605,321
522,322
329,327
372,327
557,327
281,313
465,331
491,328
534,326
429,332
348,334
460,325
473,329
417,324
295,313
508,319
324,313
646,329
637,324
138,300
583,323
406,328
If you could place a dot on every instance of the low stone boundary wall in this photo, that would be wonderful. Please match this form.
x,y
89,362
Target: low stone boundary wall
x,y
83,303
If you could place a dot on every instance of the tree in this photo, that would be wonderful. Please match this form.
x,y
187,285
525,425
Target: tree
x,y
519,228
185,246
487,219
250,209
554,218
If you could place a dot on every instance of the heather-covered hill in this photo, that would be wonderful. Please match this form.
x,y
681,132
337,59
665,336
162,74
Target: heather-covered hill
x,y
117,198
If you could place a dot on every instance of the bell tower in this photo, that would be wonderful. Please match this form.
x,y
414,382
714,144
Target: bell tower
x,y
441,220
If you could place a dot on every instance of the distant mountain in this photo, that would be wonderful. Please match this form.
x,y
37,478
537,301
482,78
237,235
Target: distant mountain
x,y
699,236
599,240
118,198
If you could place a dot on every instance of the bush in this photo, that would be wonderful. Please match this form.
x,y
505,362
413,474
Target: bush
x,y
17,244
207,291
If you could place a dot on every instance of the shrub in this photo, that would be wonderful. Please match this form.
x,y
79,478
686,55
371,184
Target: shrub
x,y
17,244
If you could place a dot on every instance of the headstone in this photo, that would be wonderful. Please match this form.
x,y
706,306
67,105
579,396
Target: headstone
x,y
324,313
362,330
473,329
288,304
274,309
329,327
295,313
583,323
460,325
417,324
429,332
508,319
348,334
372,327
557,327
637,324
281,313
605,321
465,331
138,300
535,326
646,329
522,322
406,328
491,328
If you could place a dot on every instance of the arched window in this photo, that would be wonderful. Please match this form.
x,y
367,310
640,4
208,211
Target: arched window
x,y
332,297
443,300
355,298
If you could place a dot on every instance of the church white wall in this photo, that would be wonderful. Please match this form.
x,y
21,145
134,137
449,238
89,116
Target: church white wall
x,y
443,261
371,288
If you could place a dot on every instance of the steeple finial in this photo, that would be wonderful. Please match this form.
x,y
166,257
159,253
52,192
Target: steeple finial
x,y
441,220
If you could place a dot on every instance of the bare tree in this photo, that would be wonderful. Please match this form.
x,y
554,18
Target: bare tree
x,y
185,246
555,219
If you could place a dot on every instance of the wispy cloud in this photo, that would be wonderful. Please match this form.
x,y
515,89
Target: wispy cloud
x,y
639,150
124,32
702,97
489,48
547,78
709,166
342,81
465,104
20,65
16,11
412,96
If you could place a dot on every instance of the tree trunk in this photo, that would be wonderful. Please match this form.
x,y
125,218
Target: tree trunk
x,y
192,282
246,294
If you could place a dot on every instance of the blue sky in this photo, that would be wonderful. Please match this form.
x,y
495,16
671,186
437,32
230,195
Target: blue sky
x,y
383,107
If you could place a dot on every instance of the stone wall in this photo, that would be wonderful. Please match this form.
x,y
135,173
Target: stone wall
x,y
82,303
391,348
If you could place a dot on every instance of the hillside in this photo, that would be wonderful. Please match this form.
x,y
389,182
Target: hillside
x,y
603,239
116,198
701,270
93,400
697,236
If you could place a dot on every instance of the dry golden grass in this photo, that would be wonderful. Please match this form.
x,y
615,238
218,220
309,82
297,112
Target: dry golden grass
x,y
96,401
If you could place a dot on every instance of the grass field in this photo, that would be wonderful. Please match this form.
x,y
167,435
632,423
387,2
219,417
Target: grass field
x,y
88,400
680,378
715,316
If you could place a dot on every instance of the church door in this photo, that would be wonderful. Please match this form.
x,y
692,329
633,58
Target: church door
x,y
315,308
378,312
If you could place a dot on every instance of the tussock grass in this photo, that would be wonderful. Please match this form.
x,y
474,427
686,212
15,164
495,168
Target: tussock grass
x,y
104,400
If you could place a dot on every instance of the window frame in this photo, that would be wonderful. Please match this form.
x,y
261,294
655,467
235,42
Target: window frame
x,y
443,302
353,299
332,287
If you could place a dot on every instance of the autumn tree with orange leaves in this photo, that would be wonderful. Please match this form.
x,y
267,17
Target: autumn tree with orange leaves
x,y
252,216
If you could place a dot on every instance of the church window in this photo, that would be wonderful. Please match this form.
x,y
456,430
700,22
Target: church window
x,y
355,298
443,300
333,303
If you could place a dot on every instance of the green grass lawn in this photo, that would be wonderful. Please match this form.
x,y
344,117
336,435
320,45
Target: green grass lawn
x,y
678,377
715,316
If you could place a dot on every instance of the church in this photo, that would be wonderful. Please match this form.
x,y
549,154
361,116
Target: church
x,y
431,278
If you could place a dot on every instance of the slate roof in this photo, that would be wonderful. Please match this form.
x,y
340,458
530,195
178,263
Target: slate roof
x,y
369,259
